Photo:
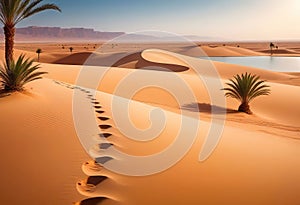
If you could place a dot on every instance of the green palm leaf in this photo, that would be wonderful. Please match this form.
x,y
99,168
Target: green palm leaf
x,y
19,73
14,11
245,88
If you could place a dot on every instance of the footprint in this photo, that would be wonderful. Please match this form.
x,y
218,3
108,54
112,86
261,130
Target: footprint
x,y
105,127
103,118
103,160
105,145
95,180
100,111
105,135
96,103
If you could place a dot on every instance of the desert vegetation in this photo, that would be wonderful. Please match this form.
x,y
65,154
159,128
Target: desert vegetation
x,y
245,88
16,74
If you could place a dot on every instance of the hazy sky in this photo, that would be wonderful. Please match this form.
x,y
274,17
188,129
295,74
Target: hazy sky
x,y
223,19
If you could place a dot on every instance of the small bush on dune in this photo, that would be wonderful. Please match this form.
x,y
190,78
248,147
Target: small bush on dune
x,y
15,75
245,88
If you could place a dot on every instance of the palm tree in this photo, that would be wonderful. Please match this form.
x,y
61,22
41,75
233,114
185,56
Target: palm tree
x,y
14,11
245,88
15,75
271,48
38,51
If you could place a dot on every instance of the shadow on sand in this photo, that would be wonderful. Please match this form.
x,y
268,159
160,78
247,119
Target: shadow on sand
x,y
95,180
207,108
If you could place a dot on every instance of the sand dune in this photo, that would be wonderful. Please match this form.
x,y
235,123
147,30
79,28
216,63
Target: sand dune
x,y
229,51
238,51
45,57
158,97
74,59
243,169
256,161
137,61
36,127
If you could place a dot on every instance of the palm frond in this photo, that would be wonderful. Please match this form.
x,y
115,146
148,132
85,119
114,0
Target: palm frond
x,y
40,9
19,73
14,11
246,87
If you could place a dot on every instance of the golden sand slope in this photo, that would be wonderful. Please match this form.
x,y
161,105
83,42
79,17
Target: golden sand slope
x,y
40,154
256,161
246,168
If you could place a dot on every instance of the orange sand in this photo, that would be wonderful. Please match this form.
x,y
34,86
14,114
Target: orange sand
x,y
256,161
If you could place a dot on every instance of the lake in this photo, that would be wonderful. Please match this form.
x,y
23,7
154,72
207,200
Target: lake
x,y
279,64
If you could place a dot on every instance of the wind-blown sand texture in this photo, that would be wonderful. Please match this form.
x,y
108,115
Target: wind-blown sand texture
x,y
43,162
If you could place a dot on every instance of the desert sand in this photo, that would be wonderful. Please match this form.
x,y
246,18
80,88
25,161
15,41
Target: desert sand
x,y
60,53
43,161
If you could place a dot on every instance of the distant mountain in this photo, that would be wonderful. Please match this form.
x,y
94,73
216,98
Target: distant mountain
x,y
34,33
55,34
